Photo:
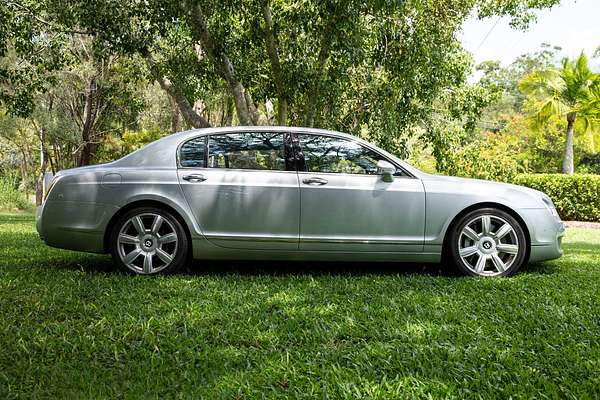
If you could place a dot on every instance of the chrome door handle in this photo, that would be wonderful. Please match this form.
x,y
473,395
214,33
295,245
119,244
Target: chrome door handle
x,y
314,181
194,178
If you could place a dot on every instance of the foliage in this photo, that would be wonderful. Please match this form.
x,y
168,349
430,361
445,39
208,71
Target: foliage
x,y
571,93
73,327
506,80
452,132
575,196
590,163
131,140
491,156
31,48
11,198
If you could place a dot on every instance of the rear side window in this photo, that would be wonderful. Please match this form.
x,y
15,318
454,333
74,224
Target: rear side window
x,y
192,153
247,150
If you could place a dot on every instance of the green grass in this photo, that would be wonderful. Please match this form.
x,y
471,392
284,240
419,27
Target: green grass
x,y
72,327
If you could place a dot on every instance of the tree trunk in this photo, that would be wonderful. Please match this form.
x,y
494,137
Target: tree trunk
x,y
273,52
89,117
282,109
245,110
39,186
229,112
175,116
568,164
313,94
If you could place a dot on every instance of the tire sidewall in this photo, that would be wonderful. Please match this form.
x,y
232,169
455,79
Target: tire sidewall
x,y
521,258
182,255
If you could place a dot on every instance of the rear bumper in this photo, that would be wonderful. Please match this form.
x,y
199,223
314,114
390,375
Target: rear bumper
x,y
38,220
74,225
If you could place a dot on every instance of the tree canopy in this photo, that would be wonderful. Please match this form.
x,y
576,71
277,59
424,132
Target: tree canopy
x,y
373,67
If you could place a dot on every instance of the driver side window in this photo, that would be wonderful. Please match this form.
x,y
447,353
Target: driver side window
x,y
337,155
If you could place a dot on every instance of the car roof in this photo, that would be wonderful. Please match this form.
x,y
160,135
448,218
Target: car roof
x,y
163,152
260,128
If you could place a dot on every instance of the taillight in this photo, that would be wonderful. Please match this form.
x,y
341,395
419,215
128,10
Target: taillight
x,y
50,186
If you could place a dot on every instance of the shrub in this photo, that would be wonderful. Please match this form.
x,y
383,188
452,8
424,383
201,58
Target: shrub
x,y
10,196
577,197
490,157
590,163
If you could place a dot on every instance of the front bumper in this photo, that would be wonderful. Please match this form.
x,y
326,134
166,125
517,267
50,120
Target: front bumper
x,y
549,250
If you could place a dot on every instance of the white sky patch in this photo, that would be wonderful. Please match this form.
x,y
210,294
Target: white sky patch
x,y
573,25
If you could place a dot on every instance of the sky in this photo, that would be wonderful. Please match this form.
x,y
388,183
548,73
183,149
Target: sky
x,y
573,25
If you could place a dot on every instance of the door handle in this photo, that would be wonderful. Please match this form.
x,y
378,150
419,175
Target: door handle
x,y
314,181
194,178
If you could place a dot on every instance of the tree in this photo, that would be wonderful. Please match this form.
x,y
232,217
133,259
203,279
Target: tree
x,y
567,93
369,67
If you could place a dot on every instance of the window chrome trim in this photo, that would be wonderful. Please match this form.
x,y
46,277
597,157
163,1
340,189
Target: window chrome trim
x,y
295,132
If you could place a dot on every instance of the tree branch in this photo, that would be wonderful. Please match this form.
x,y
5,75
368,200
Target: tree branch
x,y
191,116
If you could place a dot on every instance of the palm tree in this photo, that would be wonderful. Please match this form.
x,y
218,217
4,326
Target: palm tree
x,y
571,92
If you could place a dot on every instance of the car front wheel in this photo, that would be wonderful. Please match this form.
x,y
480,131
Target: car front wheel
x,y
488,242
148,241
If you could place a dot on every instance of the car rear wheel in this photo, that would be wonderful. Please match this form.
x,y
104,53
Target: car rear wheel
x,y
149,241
488,242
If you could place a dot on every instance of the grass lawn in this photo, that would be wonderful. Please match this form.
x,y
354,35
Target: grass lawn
x,y
72,327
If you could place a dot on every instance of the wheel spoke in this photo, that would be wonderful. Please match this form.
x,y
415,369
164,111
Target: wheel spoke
x,y
468,251
128,239
168,238
480,266
158,220
147,263
131,256
508,248
470,233
486,223
503,231
498,263
139,225
166,258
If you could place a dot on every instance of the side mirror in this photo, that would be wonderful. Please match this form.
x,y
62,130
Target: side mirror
x,y
386,170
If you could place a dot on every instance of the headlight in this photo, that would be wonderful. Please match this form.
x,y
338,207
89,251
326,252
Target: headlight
x,y
548,201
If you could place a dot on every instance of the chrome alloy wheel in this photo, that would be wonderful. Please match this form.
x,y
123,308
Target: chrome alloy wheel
x,y
147,243
488,245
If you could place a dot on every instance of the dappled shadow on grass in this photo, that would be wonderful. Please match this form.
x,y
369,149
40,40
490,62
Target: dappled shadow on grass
x,y
76,327
539,268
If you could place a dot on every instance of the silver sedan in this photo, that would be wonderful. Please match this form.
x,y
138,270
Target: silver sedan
x,y
291,194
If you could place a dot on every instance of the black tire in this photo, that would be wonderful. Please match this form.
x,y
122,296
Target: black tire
x,y
500,253
152,250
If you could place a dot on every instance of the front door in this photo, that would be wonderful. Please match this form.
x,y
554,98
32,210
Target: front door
x,y
346,206
243,189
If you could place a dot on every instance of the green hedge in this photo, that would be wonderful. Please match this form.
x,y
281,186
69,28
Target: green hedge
x,y
577,197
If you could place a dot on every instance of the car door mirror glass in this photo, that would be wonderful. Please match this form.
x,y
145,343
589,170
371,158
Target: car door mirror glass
x,y
386,170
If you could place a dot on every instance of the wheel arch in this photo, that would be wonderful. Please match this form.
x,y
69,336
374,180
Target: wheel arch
x,y
477,206
144,203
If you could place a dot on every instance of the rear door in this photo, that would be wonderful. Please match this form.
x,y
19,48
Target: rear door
x,y
345,204
243,189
